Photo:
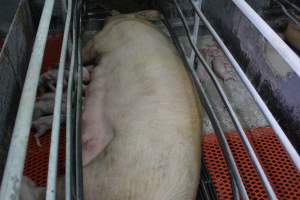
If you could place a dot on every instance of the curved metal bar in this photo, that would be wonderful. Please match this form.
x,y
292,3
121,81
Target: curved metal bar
x,y
275,41
294,156
213,117
231,112
53,157
11,180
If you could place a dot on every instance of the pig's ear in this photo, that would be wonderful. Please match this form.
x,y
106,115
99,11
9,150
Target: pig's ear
x,y
93,144
89,52
151,15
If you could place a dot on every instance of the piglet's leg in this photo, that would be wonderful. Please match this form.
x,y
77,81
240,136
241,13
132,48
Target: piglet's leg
x,y
40,132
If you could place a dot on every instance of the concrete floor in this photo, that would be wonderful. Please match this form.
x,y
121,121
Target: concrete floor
x,y
239,97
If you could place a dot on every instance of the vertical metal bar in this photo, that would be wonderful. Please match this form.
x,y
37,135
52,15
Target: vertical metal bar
x,y
11,181
275,41
69,126
232,114
78,149
213,117
261,104
53,157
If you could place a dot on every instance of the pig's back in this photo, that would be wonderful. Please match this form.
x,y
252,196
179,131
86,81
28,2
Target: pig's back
x,y
150,100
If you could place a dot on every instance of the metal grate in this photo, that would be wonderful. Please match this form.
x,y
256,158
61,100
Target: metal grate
x,y
281,172
37,159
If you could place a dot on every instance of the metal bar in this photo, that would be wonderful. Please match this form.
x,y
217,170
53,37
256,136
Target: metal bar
x,y
53,157
294,156
195,31
286,12
231,112
275,41
78,149
11,181
292,5
69,133
69,127
213,117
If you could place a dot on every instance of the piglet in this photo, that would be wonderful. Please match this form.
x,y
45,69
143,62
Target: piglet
x,y
44,124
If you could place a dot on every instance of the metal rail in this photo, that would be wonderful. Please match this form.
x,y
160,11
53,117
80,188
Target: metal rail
x,y
78,148
287,13
292,5
212,115
230,110
294,156
11,181
55,134
275,41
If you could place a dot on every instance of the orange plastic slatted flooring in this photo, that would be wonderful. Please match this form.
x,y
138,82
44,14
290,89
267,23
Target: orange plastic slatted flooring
x,y
281,172
36,165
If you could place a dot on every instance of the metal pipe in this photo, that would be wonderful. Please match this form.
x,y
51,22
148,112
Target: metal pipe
x,y
231,112
213,117
294,156
53,157
292,5
78,149
195,32
69,127
275,41
11,181
286,12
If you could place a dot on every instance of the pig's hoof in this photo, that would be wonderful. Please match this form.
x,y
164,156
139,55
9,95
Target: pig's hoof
x,y
37,141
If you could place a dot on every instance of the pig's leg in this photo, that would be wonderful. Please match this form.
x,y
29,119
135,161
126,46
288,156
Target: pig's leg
x,y
40,132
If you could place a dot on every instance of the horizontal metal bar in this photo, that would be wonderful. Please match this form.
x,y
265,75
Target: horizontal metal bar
x,y
229,108
275,41
53,157
11,181
260,103
213,117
